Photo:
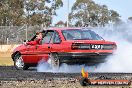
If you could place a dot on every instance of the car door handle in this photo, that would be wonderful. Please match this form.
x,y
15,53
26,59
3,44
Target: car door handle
x,y
36,46
48,47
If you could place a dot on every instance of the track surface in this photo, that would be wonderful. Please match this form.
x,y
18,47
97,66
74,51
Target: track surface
x,y
9,73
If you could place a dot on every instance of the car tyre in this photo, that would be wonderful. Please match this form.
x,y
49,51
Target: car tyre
x,y
18,62
54,61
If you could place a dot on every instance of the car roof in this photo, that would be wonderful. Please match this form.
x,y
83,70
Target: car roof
x,y
65,28
62,28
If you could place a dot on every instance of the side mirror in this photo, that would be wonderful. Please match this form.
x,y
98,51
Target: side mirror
x,y
24,41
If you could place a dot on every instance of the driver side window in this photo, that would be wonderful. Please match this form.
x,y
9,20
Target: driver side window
x,y
56,38
47,37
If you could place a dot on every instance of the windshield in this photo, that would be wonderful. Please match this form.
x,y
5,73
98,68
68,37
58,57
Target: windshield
x,y
80,34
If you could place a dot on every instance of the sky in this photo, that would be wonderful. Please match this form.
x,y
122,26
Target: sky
x,y
123,7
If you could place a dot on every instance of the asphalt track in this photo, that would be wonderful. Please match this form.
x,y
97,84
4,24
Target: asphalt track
x,y
9,73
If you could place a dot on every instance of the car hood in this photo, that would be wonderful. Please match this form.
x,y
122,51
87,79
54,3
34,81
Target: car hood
x,y
18,47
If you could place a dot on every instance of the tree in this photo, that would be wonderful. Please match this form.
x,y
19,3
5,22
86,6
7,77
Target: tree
x,y
11,12
88,13
31,12
4,12
114,17
41,13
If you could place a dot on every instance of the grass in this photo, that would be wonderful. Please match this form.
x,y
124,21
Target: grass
x,y
6,61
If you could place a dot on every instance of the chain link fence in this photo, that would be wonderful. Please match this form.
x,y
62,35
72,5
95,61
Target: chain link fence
x,y
17,34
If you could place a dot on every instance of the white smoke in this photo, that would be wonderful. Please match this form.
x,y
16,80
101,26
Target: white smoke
x,y
64,68
120,61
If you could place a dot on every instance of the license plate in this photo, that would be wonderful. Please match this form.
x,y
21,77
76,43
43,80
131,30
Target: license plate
x,y
96,46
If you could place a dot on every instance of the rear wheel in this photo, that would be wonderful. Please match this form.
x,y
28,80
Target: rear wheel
x,y
19,63
54,60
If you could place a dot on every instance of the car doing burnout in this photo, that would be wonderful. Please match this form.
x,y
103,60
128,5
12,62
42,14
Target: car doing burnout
x,y
64,45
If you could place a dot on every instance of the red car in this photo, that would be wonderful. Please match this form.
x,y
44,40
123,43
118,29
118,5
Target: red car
x,y
64,45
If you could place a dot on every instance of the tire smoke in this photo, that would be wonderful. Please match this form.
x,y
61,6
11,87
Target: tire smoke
x,y
64,68
120,61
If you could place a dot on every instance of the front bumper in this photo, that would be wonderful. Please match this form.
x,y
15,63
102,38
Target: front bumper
x,y
83,58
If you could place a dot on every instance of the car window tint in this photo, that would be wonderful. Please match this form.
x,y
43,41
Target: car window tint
x,y
87,35
68,35
80,34
47,37
95,36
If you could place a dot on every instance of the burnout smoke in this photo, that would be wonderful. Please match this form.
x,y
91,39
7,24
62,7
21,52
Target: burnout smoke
x,y
64,68
120,61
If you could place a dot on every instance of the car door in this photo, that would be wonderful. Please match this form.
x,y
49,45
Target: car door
x,y
43,50
30,54
56,45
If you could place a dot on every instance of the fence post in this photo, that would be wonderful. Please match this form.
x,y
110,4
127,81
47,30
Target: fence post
x,y
26,32
7,41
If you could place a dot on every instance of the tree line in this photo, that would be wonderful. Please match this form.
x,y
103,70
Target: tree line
x,y
41,12
88,13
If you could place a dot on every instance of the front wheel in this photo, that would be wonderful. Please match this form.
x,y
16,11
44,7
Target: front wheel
x,y
19,63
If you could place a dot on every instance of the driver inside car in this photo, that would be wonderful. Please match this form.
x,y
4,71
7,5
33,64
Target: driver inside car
x,y
37,40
